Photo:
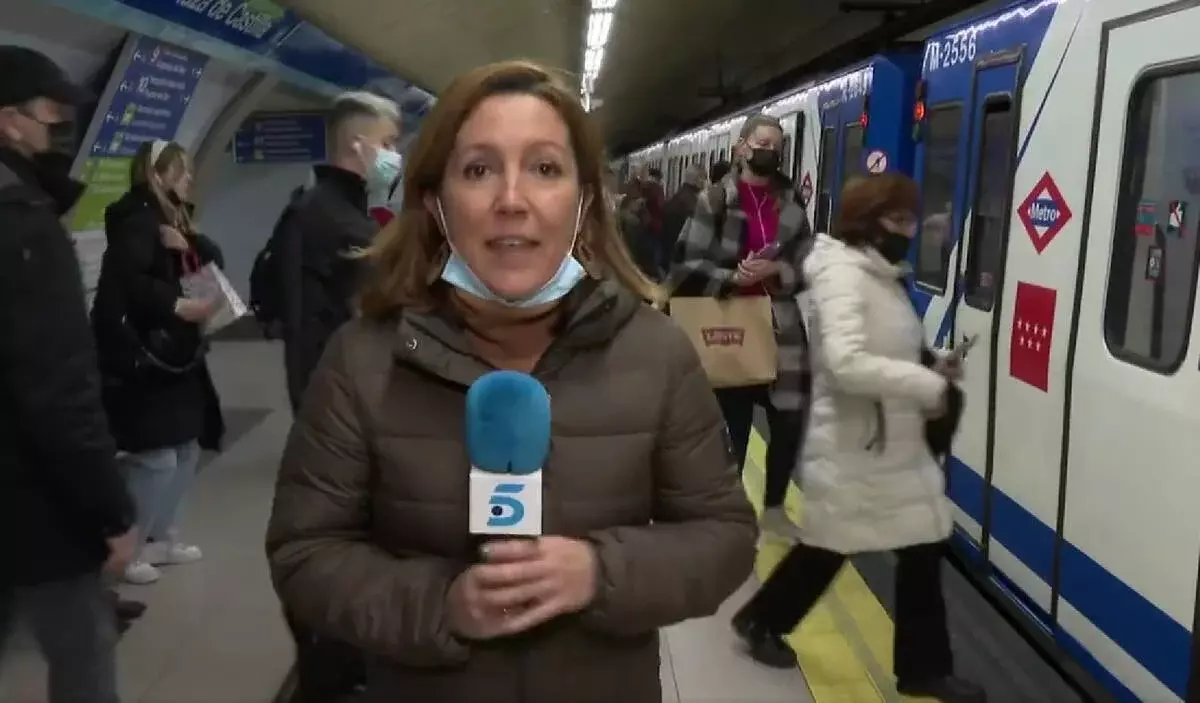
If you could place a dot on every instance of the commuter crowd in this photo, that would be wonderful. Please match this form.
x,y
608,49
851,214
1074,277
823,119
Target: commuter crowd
x,y
506,243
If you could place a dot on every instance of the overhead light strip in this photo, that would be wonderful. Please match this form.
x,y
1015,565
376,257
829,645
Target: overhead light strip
x,y
599,27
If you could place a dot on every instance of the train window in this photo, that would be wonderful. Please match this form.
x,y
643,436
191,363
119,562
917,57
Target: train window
x,y
852,152
993,198
798,147
942,127
1152,275
825,180
785,162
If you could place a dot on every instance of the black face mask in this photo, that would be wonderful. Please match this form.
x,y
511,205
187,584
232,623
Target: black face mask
x,y
53,170
763,162
893,247
62,135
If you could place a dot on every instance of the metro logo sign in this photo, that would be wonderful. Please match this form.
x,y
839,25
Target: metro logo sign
x,y
1044,212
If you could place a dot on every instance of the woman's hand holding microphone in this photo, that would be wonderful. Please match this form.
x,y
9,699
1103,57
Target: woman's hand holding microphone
x,y
520,585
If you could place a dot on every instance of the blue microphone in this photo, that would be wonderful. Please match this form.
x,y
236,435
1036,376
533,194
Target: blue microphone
x,y
508,440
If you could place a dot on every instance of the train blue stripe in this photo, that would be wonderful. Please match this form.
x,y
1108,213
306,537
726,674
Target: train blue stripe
x,y
1146,633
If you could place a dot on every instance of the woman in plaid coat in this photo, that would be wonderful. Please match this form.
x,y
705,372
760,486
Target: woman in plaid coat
x,y
749,236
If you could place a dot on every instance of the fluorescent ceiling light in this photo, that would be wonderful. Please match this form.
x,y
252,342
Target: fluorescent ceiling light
x,y
599,25
593,59
603,4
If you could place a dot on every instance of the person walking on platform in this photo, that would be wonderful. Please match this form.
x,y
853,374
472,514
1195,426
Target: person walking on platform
x,y
748,236
506,257
652,190
318,237
65,515
158,392
870,481
329,222
678,210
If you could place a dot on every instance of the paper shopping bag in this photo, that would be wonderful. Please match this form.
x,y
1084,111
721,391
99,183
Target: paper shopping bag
x,y
209,283
734,337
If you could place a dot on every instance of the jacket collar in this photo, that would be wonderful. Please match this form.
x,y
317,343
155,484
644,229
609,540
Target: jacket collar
x,y
350,186
42,184
779,187
436,342
793,220
828,251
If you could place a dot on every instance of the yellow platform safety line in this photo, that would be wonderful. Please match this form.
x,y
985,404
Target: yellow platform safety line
x,y
844,646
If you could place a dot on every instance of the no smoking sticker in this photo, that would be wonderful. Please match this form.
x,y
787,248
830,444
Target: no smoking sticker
x,y
877,161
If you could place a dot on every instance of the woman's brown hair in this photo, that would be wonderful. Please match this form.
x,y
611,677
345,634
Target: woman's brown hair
x,y
865,199
407,256
172,156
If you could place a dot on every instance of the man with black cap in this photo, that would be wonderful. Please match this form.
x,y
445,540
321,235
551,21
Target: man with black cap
x,y
65,516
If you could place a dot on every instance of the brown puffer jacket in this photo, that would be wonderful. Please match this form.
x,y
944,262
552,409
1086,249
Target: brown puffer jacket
x,y
369,525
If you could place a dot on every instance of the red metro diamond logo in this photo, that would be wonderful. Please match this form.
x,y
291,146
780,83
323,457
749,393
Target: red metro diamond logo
x,y
1044,212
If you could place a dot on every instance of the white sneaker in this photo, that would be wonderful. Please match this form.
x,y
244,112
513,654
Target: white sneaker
x,y
168,553
141,573
776,524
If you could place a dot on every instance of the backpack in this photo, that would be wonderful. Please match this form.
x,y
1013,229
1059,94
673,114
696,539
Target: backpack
x,y
266,278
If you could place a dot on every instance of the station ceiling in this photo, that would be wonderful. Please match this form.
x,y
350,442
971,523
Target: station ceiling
x,y
668,62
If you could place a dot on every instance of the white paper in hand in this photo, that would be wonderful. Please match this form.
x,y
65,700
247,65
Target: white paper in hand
x,y
209,283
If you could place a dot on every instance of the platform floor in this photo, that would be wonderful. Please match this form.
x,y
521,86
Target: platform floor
x,y
213,631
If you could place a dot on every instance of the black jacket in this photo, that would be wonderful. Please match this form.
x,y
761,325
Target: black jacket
x,y
319,279
60,491
133,317
675,215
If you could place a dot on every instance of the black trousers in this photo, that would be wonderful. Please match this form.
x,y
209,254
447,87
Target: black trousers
x,y
922,639
786,432
326,670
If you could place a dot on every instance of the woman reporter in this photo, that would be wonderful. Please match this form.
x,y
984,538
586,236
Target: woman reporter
x,y
504,256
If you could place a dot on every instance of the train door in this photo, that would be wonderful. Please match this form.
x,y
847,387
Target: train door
x,y
826,167
789,136
943,137
842,135
991,126
1134,364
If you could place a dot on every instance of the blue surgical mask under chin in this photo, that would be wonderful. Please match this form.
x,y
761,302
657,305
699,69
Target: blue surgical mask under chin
x,y
570,272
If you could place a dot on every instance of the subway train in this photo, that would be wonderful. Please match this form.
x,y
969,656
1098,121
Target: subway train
x,y
1057,144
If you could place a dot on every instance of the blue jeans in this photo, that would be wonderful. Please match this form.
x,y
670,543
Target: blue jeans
x,y
76,629
158,480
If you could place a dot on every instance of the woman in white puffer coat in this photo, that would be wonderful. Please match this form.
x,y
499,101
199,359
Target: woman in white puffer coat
x,y
870,482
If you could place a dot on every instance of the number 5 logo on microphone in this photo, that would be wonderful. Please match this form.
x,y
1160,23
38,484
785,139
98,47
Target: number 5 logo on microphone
x,y
504,496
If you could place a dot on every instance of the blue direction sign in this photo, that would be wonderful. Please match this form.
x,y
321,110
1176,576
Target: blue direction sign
x,y
291,137
152,96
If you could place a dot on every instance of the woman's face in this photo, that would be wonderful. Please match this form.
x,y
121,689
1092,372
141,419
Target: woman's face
x,y
178,180
511,194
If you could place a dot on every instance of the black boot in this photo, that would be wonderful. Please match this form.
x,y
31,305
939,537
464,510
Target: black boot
x,y
129,609
947,690
766,647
